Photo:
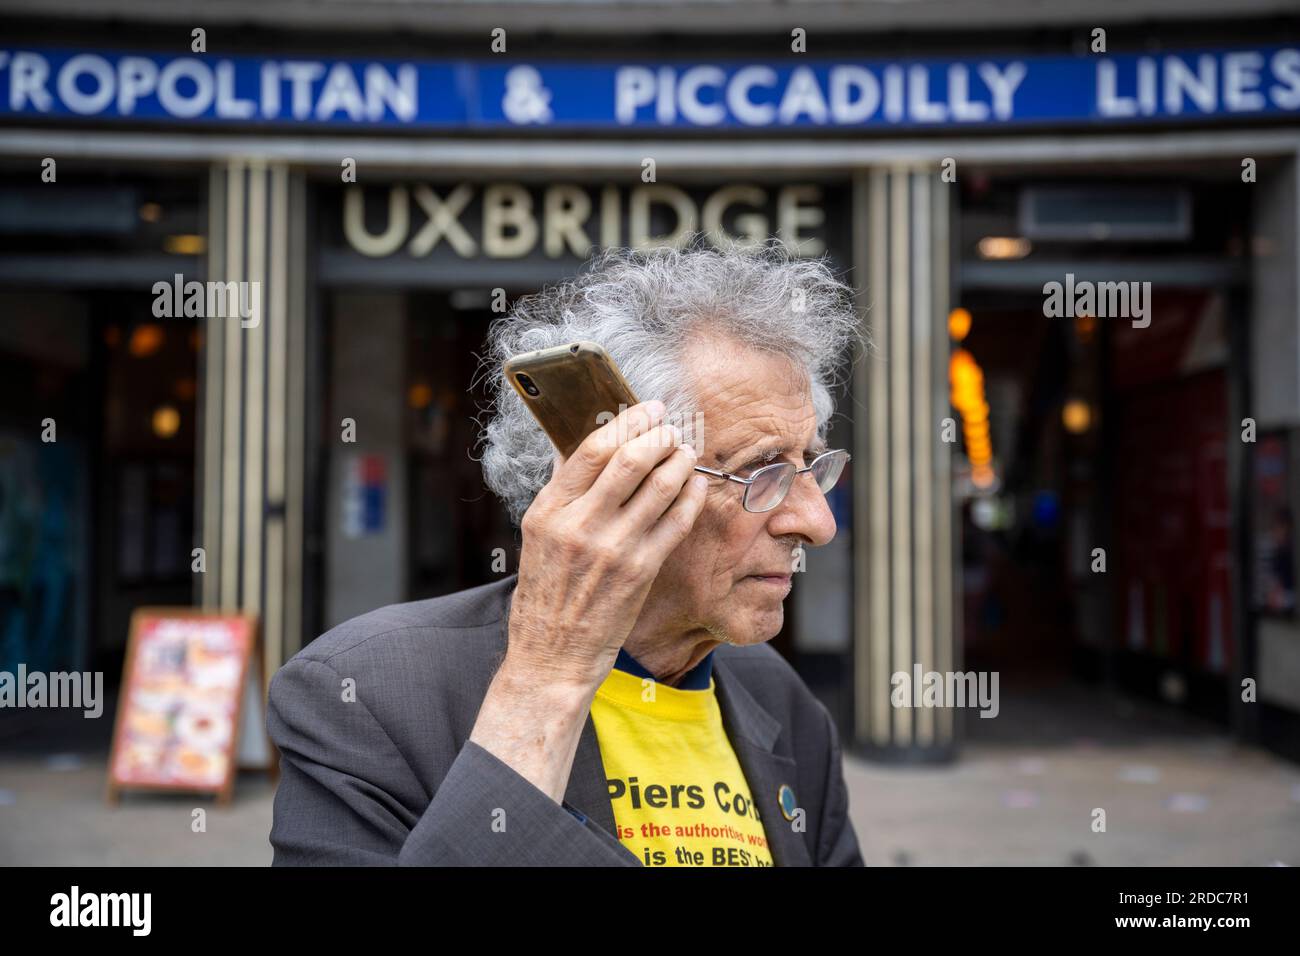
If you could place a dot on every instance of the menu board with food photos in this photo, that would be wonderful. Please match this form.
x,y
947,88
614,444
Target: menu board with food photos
x,y
184,691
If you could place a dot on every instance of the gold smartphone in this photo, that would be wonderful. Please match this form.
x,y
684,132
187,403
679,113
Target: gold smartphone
x,y
571,390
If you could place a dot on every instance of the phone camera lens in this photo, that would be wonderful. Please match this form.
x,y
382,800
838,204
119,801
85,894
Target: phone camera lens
x,y
528,385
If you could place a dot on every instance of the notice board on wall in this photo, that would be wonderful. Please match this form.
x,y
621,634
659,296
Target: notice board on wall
x,y
185,716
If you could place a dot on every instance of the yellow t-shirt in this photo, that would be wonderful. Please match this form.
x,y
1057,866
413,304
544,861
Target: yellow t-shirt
x,y
678,791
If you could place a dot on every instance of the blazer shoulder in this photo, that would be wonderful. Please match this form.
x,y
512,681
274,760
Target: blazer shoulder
x,y
759,664
440,617
771,679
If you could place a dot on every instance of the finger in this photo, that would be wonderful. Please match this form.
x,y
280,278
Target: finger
x,y
671,529
659,490
631,465
573,476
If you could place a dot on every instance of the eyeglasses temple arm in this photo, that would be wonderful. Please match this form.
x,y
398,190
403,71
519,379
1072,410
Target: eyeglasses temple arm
x,y
720,474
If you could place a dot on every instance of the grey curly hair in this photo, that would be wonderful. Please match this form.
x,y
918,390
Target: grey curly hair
x,y
643,306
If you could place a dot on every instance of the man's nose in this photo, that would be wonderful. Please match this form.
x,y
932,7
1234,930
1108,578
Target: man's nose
x,y
804,512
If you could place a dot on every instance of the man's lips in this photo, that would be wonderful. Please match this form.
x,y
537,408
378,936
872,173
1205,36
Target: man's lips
x,y
777,579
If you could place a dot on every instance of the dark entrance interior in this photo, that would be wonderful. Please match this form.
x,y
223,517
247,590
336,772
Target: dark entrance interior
x,y
97,475
1098,565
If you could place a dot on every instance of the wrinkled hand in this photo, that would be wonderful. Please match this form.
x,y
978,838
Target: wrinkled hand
x,y
594,540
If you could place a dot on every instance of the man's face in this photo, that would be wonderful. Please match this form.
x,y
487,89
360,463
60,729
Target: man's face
x,y
734,570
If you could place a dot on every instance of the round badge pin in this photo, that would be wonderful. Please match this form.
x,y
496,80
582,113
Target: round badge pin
x,y
785,797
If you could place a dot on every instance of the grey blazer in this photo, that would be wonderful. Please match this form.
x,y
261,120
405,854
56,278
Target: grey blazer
x,y
390,777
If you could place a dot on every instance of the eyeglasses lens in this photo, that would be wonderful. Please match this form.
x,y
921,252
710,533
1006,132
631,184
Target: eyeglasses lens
x,y
769,486
827,471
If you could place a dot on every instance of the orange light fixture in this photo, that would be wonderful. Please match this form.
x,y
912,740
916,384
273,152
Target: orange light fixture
x,y
959,321
419,395
146,340
166,421
1003,247
966,380
1076,416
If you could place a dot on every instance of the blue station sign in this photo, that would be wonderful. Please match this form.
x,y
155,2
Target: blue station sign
x,y
979,92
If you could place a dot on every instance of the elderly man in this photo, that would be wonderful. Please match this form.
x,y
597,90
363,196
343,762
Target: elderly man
x,y
614,703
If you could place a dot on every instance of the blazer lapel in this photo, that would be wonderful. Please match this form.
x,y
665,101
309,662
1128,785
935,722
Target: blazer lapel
x,y
588,789
752,732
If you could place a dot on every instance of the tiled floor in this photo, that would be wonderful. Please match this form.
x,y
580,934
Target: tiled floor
x,y
1025,791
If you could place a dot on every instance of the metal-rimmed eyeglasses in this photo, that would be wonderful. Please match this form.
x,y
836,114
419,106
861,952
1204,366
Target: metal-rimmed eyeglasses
x,y
767,487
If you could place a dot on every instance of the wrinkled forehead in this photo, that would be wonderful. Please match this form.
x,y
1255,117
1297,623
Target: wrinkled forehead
x,y
745,397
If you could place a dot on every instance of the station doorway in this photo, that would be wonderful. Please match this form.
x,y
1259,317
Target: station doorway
x,y
1097,558
97,472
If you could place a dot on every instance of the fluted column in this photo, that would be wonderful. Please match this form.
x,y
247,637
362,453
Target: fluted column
x,y
253,397
905,540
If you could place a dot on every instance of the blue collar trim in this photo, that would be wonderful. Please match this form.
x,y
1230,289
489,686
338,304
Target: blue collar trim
x,y
697,678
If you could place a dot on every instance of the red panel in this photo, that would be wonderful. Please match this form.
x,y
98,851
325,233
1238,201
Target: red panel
x,y
1173,566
